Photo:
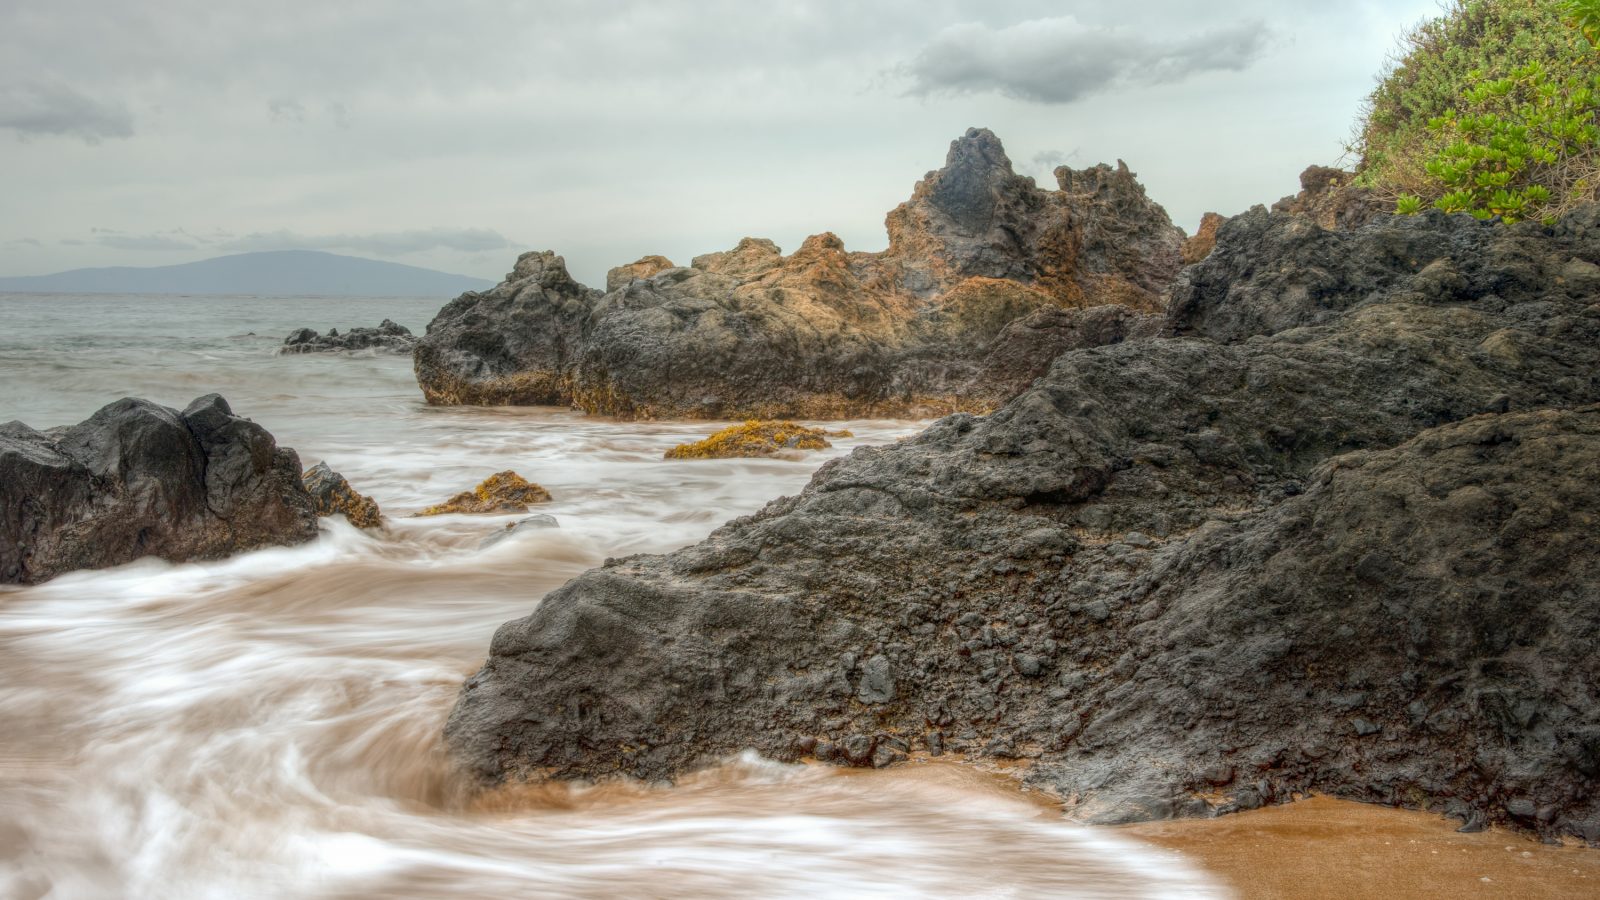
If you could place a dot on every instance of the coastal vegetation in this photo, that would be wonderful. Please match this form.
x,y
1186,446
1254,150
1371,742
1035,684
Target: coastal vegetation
x,y
1491,109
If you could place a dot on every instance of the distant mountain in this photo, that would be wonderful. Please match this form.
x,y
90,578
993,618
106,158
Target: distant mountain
x,y
286,273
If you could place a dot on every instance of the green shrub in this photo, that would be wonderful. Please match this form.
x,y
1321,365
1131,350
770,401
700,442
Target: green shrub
x,y
1491,111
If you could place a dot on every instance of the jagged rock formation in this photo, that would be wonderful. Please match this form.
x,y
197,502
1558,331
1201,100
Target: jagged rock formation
x,y
137,479
502,492
1334,534
388,337
823,333
332,495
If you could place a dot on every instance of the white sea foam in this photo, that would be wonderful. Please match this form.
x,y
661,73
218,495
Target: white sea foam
x,y
269,725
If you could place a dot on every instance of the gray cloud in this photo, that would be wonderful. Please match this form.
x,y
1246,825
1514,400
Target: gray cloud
x,y
1061,59
36,109
282,109
143,242
383,243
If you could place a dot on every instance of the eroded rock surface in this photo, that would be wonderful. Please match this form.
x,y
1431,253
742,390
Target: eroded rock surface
x,y
332,495
139,479
388,337
1334,534
821,333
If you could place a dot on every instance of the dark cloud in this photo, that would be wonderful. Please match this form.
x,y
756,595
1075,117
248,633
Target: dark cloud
x,y
38,109
143,242
1060,60
384,243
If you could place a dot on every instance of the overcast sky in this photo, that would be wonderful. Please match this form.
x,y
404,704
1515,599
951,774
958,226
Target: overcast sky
x,y
456,134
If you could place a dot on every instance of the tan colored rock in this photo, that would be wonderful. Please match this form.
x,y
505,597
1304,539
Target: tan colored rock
x,y
825,332
1200,245
502,492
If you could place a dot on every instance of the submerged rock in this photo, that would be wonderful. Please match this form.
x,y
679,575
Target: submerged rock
x,y
1334,536
138,479
521,526
388,337
822,333
754,439
331,495
502,492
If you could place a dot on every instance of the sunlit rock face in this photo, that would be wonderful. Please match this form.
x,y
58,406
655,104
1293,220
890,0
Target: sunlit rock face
x,y
139,479
1332,533
822,332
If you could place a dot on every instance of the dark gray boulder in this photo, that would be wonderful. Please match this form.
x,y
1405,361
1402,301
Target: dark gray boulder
x,y
138,479
388,337
1335,535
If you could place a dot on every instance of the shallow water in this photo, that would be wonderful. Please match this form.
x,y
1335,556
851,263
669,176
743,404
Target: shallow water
x,y
268,725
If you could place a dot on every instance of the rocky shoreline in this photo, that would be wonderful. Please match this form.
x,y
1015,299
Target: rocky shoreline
x,y
978,259
1326,525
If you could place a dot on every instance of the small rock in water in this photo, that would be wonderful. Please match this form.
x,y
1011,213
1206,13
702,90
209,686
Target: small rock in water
x,y
388,337
753,439
502,492
331,494
531,523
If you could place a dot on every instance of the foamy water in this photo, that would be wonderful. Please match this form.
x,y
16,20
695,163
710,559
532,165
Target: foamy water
x,y
269,725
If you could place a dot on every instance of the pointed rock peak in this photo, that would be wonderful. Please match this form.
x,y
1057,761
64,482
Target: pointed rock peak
x,y
820,243
979,150
545,268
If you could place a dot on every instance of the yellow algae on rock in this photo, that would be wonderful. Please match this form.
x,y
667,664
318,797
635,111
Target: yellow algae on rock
x,y
502,492
753,439
332,494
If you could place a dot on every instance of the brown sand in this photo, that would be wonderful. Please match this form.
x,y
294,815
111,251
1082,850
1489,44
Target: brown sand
x,y
1325,848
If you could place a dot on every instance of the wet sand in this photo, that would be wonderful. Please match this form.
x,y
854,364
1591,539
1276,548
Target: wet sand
x,y
1324,848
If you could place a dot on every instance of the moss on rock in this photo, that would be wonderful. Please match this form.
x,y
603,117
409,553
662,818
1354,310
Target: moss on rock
x,y
502,492
753,439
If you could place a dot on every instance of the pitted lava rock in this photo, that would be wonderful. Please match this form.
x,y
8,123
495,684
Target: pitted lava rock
x,y
1333,533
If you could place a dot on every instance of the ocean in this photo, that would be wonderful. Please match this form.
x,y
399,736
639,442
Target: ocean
x,y
269,725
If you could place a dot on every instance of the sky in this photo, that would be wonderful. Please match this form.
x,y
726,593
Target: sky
x,y
455,135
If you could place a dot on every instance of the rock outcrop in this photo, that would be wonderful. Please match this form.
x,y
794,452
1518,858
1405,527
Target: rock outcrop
x,y
1331,198
138,479
1334,533
332,495
388,337
753,439
822,333
502,492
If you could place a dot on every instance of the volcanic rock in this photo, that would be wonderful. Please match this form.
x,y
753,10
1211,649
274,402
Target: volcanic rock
x,y
1333,534
1331,198
822,333
331,495
138,479
502,492
388,337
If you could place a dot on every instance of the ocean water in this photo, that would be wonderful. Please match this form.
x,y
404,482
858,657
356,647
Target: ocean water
x,y
269,725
